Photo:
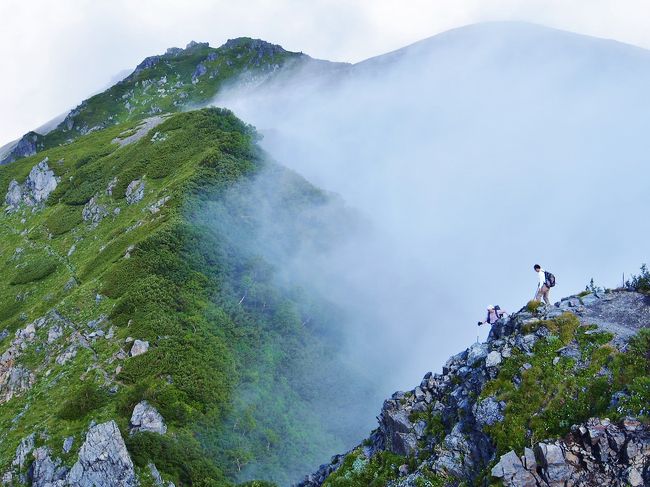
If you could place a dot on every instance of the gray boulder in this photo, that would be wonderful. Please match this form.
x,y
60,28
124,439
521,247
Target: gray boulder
x,y
135,191
14,194
103,460
139,347
511,470
489,411
553,465
476,352
67,444
24,448
46,472
39,184
93,212
493,359
146,418
198,72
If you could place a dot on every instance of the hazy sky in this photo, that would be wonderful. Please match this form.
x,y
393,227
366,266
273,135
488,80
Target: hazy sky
x,y
57,53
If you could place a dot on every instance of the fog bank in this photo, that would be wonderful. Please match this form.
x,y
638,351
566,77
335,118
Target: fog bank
x,y
473,155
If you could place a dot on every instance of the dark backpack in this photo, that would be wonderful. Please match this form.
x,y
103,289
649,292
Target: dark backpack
x,y
549,279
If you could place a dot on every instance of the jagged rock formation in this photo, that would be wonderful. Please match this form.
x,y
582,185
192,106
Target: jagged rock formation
x,y
28,145
139,347
135,191
39,184
103,459
94,212
596,453
145,417
445,424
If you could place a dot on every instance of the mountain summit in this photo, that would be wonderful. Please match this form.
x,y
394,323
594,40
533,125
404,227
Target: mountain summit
x,y
174,81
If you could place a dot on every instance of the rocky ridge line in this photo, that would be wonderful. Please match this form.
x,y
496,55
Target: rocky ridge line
x,y
595,453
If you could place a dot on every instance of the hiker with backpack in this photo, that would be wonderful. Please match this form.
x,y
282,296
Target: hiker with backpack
x,y
546,281
493,314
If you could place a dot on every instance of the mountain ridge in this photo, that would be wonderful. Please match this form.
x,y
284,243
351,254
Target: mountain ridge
x,y
464,426
266,52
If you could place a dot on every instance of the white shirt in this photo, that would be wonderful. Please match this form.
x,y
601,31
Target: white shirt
x,y
542,278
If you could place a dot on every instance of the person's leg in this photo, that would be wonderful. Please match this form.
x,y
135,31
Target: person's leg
x,y
545,292
538,296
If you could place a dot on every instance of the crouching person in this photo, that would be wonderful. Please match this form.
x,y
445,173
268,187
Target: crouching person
x,y
493,314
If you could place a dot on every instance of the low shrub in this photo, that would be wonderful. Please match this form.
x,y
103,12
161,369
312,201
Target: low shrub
x,y
359,471
180,456
88,398
63,219
532,306
35,270
641,282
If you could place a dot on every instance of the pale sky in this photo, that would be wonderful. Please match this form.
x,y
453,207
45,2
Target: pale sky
x,y
56,53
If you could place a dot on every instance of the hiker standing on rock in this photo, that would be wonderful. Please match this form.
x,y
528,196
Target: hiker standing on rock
x,y
545,283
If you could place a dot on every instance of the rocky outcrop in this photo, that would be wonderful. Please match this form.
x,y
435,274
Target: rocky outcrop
x,y
142,129
14,377
25,447
46,472
595,453
93,212
135,191
139,347
198,72
38,186
146,418
14,194
443,424
28,145
103,460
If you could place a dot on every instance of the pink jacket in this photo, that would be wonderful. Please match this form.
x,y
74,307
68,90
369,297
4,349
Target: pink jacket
x,y
493,315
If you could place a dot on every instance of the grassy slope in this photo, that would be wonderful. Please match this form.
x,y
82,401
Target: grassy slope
x,y
180,290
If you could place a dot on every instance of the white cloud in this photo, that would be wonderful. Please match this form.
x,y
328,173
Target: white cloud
x,y
57,53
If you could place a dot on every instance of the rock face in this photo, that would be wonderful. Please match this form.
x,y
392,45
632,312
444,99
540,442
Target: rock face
x,y
146,418
135,191
596,453
103,460
28,145
93,212
459,448
39,184
46,472
14,194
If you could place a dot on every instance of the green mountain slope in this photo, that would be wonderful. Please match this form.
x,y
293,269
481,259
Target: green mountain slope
x,y
178,80
136,246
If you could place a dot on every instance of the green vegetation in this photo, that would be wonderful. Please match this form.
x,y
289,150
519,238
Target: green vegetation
x,y
564,326
554,392
231,365
34,270
87,398
63,219
640,282
532,306
632,375
169,83
359,471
